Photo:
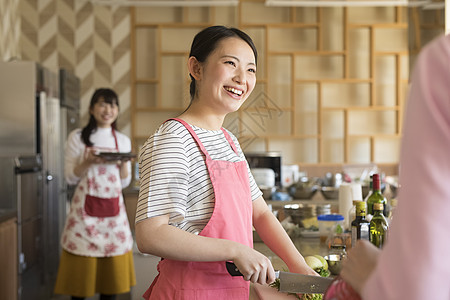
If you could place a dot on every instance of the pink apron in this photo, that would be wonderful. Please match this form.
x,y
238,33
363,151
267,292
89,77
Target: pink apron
x,y
231,219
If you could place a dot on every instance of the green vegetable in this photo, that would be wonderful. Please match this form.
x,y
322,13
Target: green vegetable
x,y
312,297
323,272
276,284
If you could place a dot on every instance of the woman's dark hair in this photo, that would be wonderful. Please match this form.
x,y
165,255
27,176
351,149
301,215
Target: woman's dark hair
x,y
206,42
108,96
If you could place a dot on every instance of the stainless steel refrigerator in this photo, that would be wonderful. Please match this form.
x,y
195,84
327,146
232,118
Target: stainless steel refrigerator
x,y
69,87
30,137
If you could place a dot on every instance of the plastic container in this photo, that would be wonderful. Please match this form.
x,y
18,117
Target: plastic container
x,y
327,223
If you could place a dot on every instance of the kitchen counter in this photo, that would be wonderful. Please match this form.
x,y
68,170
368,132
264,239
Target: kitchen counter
x,y
8,259
306,246
6,214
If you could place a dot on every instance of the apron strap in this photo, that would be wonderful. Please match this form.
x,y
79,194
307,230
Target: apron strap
x,y
230,140
194,135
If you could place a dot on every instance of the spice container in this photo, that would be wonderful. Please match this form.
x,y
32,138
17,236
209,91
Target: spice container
x,y
327,223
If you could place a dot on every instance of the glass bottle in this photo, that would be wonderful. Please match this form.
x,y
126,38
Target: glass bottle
x,y
351,214
377,196
392,210
360,226
378,226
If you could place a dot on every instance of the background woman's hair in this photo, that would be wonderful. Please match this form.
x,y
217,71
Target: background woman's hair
x,y
205,42
110,97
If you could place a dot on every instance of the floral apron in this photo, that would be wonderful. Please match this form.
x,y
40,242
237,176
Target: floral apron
x,y
231,219
97,224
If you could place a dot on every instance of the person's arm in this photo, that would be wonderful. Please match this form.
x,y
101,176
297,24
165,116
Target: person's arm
x,y
275,237
89,158
155,236
124,166
360,263
412,264
77,159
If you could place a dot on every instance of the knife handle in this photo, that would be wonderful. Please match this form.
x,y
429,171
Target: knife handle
x,y
232,269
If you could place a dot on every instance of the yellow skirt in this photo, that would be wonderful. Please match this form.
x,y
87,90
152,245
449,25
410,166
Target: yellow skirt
x,y
83,276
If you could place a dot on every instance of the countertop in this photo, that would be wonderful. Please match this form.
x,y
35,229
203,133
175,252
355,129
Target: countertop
x,y
306,246
6,214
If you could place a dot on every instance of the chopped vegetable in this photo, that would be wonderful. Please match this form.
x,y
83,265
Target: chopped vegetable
x,y
318,264
324,273
312,297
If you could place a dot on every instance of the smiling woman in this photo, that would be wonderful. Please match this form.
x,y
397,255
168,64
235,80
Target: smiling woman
x,y
97,240
198,199
227,56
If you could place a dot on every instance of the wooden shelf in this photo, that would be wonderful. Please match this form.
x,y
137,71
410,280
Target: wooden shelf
x,y
321,72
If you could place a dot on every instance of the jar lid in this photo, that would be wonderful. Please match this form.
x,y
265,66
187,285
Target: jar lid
x,y
330,217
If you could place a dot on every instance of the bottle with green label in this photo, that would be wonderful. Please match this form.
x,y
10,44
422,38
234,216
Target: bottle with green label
x,y
376,196
378,226
360,226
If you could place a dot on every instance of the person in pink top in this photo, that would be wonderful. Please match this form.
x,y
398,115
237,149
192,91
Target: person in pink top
x,y
414,263
198,200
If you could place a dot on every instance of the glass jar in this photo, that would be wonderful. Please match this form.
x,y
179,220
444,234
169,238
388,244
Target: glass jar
x,y
327,223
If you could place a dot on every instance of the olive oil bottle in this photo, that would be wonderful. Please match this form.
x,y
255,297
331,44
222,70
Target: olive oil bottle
x,y
378,226
360,226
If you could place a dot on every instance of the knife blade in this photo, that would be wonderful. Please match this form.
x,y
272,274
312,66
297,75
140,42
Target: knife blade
x,y
293,282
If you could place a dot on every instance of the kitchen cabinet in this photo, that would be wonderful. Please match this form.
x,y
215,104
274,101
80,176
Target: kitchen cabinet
x,y
331,81
8,259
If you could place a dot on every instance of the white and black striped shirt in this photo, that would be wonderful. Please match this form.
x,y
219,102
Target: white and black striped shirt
x,y
174,178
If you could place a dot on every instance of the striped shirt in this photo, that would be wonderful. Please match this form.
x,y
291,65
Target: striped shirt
x,y
174,179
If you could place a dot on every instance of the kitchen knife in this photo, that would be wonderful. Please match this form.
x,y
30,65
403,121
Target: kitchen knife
x,y
293,282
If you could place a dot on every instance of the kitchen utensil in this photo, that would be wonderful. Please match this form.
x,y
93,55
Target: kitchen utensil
x,y
305,188
268,192
116,155
301,212
334,263
293,282
330,192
